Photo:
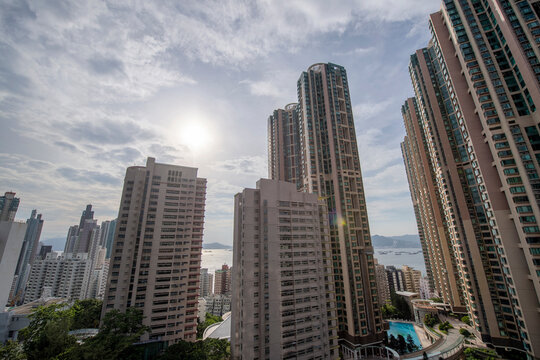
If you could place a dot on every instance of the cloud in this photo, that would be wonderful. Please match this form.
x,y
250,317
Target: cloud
x,y
89,88
246,165
356,51
83,176
368,110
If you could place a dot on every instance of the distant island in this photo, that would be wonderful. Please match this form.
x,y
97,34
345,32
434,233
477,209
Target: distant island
x,y
215,245
401,241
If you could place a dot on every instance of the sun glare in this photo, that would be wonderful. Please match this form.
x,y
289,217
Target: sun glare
x,y
195,136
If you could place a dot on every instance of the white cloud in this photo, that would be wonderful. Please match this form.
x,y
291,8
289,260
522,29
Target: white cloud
x,y
89,88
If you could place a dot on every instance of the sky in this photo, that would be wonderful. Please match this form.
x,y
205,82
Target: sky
x,y
88,88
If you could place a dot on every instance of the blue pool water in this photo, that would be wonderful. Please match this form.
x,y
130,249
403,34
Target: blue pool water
x,y
403,329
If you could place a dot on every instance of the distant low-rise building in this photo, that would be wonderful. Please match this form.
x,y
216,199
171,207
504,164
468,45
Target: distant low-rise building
x,y
218,304
59,275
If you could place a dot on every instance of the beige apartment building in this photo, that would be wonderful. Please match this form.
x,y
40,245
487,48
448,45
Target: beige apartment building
x,y
283,295
477,85
434,237
313,144
156,256
411,278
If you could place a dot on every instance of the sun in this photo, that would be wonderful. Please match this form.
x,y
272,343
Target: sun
x,y
196,136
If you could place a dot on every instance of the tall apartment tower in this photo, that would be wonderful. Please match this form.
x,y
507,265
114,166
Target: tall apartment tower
x,y
281,275
326,162
435,239
477,85
206,283
396,281
79,238
107,235
8,206
383,288
411,278
222,278
34,224
156,256
284,147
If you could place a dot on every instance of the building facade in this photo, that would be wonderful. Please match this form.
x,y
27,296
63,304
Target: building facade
x,y
34,224
396,281
326,163
156,255
207,282
218,304
282,288
411,278
8,206
476,87
222,284
435,239
383,288
59,275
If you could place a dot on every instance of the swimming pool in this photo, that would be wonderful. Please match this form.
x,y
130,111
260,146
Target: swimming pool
x,y
403,329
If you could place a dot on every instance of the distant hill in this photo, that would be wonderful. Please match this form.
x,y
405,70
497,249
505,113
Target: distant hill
x,y
57,243
215,245
401,241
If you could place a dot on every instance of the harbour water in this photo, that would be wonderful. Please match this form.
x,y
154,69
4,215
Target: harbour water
x,y
413,257
214,258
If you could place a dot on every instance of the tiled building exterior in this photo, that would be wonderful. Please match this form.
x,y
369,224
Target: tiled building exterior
x,y
282,304
477,85
156,256
313,144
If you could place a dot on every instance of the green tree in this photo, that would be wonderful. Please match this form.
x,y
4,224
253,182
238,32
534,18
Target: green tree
x,y
431,320
402,344
411,346
393,342
389,311
12,350
46,337
466,320
445,326
115,338
86,314
402,309
464,332
436,299
209,349
210,319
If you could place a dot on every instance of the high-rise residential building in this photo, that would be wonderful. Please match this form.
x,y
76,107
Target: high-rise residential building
x,y
156,255
26,257
430,217
8,206
282,288
218,304
207,281
320,133
476,87
71,238
107,236
79,238
11,239
59,275
396,281
425,288
98,277
411,277
284,147
222,278
383,289
43,251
